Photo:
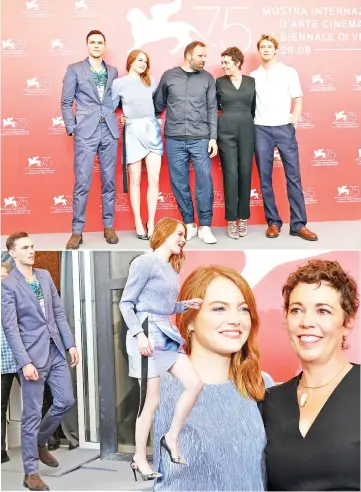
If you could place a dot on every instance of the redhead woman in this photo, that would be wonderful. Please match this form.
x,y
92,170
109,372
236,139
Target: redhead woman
x,y
148,301
223,437
143,139
313,420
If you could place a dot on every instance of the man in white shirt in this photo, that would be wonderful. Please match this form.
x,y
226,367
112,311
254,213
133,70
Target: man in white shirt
x,y
277,86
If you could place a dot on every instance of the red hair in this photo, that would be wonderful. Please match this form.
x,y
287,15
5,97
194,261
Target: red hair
x,y
245,369
133,55
164,228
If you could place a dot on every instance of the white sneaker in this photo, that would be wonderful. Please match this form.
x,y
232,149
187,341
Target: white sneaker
x,y
206,235
192,231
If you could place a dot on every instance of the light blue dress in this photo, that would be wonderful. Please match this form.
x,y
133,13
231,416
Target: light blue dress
x,y
142,128
223,440
151,292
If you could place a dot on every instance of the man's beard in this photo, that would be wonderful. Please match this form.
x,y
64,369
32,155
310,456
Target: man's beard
x,y
195,67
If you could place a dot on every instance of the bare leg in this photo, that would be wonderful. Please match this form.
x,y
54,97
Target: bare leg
x,y
135,170
184,371
144,423
153,162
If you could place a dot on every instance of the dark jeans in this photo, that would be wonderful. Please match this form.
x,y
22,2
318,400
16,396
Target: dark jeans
x,y
6,384
284,138
179,153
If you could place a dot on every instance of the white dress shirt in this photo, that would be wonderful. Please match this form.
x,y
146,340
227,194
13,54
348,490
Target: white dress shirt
x,y
275,89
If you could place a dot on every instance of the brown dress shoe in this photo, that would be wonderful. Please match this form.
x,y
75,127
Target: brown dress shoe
x,y
34,482
74,241
47,458
306,234
110,236
273,231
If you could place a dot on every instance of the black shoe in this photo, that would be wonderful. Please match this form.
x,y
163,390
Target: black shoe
x,y
179,460
145,477
4,457
53,443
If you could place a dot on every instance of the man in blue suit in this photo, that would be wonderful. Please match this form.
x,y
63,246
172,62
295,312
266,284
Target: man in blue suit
x,y
35,326
95,130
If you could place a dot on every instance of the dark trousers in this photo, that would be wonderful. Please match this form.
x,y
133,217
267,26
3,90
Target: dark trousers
x,y
236,146
6,384
284,138
179,153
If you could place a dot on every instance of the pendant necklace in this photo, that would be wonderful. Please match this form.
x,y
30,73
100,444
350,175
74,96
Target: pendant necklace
x,y
305,396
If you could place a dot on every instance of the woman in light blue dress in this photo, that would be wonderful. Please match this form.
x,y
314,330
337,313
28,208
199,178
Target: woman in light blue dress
x,y
154,344
143,139
223,438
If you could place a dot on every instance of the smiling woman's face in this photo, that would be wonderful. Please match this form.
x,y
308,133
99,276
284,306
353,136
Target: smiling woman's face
x,y
224,321
315,322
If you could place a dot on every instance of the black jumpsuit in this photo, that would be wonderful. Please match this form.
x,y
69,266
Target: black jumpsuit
x,y
236,143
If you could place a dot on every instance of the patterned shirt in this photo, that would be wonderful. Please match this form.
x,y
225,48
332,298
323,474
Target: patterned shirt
x,y
34,283
8,364
100,79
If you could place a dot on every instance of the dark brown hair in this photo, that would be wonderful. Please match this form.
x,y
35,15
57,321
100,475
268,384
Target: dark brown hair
x,y
331,272
267,37
235,54
94,31
245,369
11,240
192,46
133,55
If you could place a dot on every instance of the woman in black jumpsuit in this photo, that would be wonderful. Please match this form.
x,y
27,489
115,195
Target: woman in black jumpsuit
x,y
237,100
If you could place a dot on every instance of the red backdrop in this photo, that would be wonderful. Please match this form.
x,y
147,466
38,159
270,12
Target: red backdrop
x,y
266,274
41,37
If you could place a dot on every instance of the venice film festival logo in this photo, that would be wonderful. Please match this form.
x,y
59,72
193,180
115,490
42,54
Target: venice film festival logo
x,y
310,196
121,203
37,87
39,165
357,84
324,157
166,201
158,27
256,198
322,83
348,194
62,204
13,47
16,205
57,126
218,199
14,126
37,8
277,161
345,119
61,47
306,121
85,8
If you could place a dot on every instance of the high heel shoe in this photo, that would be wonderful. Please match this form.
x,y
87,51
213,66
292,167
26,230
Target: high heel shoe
x,y
143,236
149,236
145,477
179,460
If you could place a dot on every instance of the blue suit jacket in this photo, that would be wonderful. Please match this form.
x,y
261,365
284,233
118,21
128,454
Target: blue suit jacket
x,y
26,328
79,85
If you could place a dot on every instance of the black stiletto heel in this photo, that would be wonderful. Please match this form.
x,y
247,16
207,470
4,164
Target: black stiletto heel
x,y
145,477
179,460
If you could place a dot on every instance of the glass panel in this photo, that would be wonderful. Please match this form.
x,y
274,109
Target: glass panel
x,y
127,389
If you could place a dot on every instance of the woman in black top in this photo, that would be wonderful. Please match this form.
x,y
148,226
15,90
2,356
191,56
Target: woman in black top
x,y
236,98
313,421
